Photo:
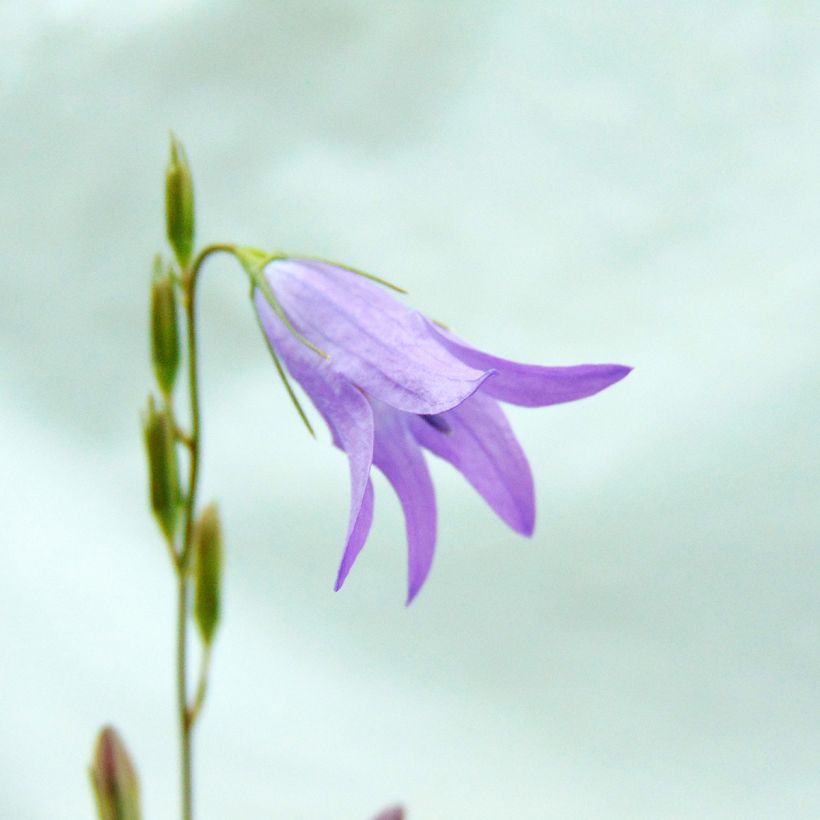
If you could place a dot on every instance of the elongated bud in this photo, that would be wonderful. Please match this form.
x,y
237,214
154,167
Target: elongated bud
x,y
207,541
164,332
163,473
114,778
179,203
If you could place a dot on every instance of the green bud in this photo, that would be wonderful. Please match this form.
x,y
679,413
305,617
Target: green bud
x,y
207,545
179,203
164,333
160,444
114,778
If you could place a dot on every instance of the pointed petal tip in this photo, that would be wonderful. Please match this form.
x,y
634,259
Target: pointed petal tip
x,y
413,588
532,385
527,529
521,526
341,576
524,523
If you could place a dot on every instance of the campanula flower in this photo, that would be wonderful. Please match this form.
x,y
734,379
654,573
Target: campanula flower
x,y
392,383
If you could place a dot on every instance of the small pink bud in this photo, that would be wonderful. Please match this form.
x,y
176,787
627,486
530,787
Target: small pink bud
x,y
391,813
114,778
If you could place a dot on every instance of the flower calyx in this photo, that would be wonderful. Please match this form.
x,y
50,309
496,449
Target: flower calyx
x,y
254,260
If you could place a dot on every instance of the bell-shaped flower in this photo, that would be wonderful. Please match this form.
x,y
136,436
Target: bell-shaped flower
x,y
393,383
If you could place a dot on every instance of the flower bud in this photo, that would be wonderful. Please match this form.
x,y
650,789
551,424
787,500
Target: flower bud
x,y
164,333
179,203
160,444
207,546
392,813
114,778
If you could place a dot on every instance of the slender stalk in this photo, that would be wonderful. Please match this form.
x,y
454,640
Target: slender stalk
x,y
189,282
202,685
182,697
186,715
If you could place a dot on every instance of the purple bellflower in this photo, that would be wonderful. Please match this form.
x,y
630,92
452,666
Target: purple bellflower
x,y
393,382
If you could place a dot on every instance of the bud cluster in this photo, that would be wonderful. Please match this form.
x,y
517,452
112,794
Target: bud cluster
x,y
194,541
200,550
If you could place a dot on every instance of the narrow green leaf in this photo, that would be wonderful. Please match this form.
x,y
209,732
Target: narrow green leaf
x,y
350,268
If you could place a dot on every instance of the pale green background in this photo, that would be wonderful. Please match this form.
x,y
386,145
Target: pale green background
x,y
631,182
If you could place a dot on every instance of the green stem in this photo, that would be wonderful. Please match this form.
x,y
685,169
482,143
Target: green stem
x,y
202,685
189,281
182,697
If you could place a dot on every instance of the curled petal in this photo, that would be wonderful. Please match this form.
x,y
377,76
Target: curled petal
x,y
397,454
372,339
477,440
532,385
348,415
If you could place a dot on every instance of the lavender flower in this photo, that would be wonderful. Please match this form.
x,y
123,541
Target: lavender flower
x,y
394,383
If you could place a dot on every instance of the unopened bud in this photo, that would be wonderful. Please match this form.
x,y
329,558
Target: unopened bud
x,y
179,203
164,333
160,444
393,813
114,778
207,544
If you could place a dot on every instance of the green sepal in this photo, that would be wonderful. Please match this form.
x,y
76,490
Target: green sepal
x,y
207,553
164,327
350,268
285,381
179,204
253,260
114,778
163,472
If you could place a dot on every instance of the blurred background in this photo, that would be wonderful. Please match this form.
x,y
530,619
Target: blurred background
x,y
592,182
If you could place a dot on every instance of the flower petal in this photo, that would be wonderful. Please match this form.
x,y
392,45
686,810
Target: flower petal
x,y
397,454
477,440
348,415
372,339
357,535
532,385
